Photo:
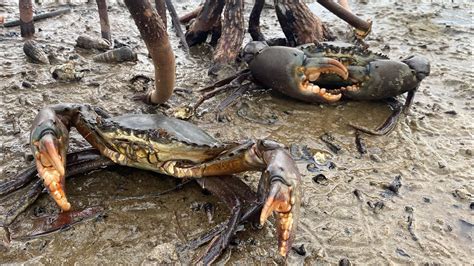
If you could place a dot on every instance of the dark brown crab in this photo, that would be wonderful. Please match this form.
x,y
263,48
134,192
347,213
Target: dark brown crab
x,y
325,73
168,146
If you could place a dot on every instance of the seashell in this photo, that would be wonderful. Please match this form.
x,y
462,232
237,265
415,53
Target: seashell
x,y
121,54
35,53
66,72
88,42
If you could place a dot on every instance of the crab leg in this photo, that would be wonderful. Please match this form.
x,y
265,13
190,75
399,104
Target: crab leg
x,y
389,124
235,194
229,189
280,185
21,205
221,86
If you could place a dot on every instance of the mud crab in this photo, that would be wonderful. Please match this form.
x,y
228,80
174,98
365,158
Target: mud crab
x,y
325,73
168,146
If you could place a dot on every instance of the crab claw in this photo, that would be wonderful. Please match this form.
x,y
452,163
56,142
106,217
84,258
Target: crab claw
x,y
280,200
313,67
49,144
283,197
309,73
289,71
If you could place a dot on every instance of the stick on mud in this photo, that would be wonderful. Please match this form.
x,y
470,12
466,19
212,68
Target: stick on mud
x,y
177,25
39,17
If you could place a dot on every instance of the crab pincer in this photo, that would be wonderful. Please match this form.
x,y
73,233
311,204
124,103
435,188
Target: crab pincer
x,y
49,138
291,72
280,189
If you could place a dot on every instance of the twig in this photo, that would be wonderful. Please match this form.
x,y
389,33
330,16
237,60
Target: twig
x,y
347,16
39,17
177,25
180,230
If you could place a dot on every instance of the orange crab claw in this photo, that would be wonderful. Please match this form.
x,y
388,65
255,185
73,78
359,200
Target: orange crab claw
x,y
49,154
50,163
281,200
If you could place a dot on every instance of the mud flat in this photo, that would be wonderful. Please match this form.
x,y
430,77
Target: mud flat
x,y
353,213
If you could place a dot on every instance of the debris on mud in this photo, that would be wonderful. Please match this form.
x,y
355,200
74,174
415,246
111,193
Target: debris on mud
x,y
89,42
35,53
411,222
345,262
300,250
395,185
360,143
66,73
331,142
122,54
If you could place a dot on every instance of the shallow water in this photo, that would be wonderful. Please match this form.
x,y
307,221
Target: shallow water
x,y
431,149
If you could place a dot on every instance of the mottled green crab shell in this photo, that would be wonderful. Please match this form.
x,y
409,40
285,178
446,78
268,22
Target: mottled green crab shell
x,y
152,138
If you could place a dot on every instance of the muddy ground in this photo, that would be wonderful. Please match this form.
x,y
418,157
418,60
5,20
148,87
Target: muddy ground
x,y
349,215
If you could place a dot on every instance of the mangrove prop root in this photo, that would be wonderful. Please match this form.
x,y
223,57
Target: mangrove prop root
x,y
191,15
343,11
154,34
298,23
177,25
27,26
254,21
232,32
204,22
104,20
161,9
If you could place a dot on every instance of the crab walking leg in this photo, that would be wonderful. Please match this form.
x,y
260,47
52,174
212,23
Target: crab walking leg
x,y
22,204
154,34
227,189
236,195
280,188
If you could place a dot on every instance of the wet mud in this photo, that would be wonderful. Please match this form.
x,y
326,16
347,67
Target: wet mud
x,y
402,198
